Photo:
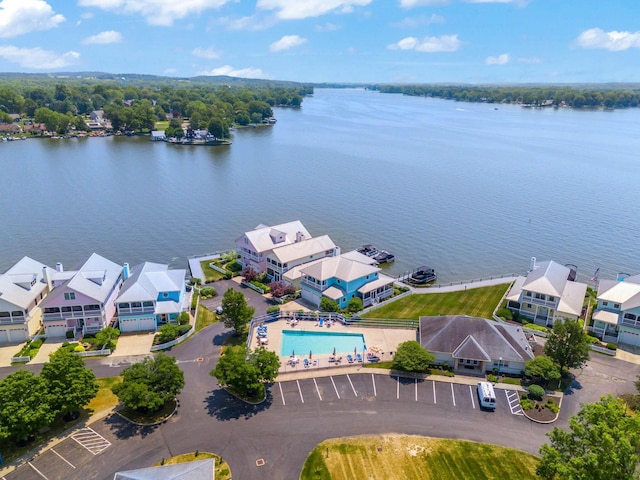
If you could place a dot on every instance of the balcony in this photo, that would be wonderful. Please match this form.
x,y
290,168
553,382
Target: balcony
x,y
54,316
135,310
631,323
538,301
311,285
13,321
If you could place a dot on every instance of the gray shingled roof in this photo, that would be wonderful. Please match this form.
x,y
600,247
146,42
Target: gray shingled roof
x,y
474,338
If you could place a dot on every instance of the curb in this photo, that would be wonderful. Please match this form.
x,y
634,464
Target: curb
x,y
547,422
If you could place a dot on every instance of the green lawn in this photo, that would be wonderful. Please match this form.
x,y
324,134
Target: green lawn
x,y
222,469
105,398
415,458
476,302
205,317
210,275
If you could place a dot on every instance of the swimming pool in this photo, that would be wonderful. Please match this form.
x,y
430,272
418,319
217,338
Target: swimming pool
x,y
320,342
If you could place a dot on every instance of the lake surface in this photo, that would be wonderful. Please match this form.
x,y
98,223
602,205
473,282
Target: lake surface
x,y
467,189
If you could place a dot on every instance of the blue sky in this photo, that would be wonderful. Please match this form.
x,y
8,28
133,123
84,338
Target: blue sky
x,y
409,41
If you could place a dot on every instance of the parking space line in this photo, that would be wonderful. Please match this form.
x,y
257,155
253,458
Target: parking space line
x,y
281,393
373,379
64,459
433,382
473,403
38,471
416,384
514,402
397,388
91,440
352,387
335,388
317,389
453,395
300,391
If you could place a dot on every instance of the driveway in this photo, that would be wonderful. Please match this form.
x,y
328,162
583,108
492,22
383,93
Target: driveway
x,y
49,346
133,344
9,351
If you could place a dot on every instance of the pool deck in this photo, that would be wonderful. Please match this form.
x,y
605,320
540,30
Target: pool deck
x,y
387,339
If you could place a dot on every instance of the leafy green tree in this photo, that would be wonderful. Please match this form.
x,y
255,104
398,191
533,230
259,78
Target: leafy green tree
x,y
106,338
69,383
218,128
148,385
328,305
355,305
246,374
543,368
603,444
168,332
235,311
411,357
24,405
567,345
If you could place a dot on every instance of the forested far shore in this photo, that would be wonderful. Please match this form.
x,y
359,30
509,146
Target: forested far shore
x,y
58,105
593,96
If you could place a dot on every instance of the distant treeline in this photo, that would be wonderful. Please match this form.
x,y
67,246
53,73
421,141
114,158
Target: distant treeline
x,y
577,97
62,102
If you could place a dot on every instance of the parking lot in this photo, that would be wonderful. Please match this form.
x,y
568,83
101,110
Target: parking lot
x,y
381,388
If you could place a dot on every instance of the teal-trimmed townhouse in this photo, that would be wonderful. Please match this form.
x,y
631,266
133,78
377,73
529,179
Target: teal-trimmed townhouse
x,y
152,295
341,279
616,318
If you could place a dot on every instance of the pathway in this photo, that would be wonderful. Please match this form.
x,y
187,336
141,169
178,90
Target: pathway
x,y
499,280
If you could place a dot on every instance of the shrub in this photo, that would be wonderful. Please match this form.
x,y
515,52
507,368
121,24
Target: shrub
x,y
168,332
233,266
228,275
592,340
505,313
612,346
249,274
355,305
262,286
280,289
526,404
262,278
492,378
183,318
536,392
78,348
449,373
208,292
533,326
273,309
195,281
182,329
328,305
70,334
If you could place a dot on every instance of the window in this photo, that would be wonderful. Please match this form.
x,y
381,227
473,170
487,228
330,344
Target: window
x,y
123,305
91,307
4,314
77,308
529,305
605,304
17,313
147,304
136,304
552,299
616,306
69,296
165,294
66,309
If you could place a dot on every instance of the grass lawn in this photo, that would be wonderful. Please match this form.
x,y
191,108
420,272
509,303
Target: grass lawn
x,y
476,302
205,317
161,125
222,469
210,275
105,398
419,458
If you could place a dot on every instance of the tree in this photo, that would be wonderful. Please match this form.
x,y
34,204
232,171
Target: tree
x,y
106,338
148,385
543,368
603,443
567,345
355,305
328,305
168,332
244,373
24,405
235,311
411,357
69,383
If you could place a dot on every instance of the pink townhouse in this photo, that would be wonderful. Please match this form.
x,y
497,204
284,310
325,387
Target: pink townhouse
x,y
81,301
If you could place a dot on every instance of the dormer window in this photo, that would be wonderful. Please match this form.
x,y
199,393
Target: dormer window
x,y
69,296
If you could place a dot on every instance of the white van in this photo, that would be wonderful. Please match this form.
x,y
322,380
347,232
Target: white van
x,y
486,395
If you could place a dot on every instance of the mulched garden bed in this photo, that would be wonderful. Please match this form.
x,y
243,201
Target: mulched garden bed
x,y
541,412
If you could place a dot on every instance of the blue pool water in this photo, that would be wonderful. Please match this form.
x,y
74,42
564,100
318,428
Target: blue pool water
x,y
320,342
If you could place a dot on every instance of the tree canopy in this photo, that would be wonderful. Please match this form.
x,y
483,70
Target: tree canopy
x,y
235,311
603,443
148,385
246,372
542,368
411,357
567,345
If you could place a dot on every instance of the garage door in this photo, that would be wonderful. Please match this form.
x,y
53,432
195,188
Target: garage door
x,y
4,337
18,335
55,330
128,324
148,323
629,338
311,297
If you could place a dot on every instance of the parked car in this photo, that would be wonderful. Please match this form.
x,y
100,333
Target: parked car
x,y
219,309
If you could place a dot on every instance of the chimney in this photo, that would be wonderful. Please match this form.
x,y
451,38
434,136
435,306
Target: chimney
x,y
59,267
299,237
532,265
125,271
46,276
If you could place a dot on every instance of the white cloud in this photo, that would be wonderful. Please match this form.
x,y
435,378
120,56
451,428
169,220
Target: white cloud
x,y
418,21
614,41
235,72
287,42
18,17
497,60
298,9
327,27
37,58
103,38
443,43
532,60
157,12
422,3
208,53
250,23
87,15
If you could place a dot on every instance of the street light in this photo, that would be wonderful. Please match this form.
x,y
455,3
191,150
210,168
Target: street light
x,y
499,365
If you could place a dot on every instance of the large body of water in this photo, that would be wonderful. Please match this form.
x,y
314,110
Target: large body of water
x,y
466,188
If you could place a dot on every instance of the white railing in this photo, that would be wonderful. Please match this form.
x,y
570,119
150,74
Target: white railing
x,y
252,287
385,302
475,280
132,310
604,350
22,359
94,353
170,344
12,321
217,268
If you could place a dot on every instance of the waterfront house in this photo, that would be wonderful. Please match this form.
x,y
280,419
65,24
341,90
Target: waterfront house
x,y
341,279
616,318
22,289
158,135
282,259
81,301
254,246
151,296
476,345
293,275
547,294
